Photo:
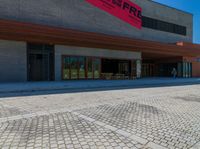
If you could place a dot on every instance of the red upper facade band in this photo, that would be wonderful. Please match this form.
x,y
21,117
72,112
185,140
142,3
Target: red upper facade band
x,y
122,9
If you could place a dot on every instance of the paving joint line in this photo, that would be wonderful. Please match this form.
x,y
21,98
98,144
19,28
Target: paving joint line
x,y
140,140
196,145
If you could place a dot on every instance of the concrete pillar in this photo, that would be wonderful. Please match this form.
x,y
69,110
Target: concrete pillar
x,y
13,61
139,68
58,66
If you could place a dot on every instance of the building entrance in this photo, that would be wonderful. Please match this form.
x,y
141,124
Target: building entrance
x,y
116,69
184,69
148,70
40,62
165,70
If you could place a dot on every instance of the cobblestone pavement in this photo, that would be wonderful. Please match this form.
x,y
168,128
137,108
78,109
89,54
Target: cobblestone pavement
x,y
150,118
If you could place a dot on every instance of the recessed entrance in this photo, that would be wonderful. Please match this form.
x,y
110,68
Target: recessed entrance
x,y
116,69
162,67
40,62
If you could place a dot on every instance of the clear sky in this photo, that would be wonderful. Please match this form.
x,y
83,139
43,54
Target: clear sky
x,y
192,6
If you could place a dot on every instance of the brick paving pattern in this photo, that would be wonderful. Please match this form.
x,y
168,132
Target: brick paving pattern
x,y
151,118
63,130
7,111
169,129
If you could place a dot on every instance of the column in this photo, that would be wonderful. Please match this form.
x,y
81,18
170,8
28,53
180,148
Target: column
x,y
139,68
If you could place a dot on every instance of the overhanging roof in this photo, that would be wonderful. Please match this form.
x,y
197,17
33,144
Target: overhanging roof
x,y
20,31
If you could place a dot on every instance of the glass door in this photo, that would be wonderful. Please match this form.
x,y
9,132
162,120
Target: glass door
x,y
89,68
74,67
40,62
97,68
66,68
81,71
187,69
80,67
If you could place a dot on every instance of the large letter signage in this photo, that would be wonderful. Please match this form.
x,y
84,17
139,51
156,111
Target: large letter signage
x,y
123,9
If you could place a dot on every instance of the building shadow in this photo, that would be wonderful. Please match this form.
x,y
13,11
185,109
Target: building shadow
x,y
36,92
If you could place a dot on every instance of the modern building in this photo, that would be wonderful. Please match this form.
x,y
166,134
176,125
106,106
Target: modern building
x,y
72,39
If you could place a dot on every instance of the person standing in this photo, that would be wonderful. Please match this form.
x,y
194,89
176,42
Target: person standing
x,y
174,73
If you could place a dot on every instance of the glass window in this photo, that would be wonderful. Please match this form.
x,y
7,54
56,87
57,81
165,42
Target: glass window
x,y
187,69
90,68
74,67
163,26
66,69
96,67
133,69
180,70
81,68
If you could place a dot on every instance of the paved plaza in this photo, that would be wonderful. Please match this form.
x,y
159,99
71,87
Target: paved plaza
x,y
135,118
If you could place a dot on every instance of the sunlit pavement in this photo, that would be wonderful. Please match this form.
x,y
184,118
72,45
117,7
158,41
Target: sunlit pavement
x,y
153,117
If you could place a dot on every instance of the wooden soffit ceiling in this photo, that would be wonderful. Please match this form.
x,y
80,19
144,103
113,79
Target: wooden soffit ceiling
x,y
20,31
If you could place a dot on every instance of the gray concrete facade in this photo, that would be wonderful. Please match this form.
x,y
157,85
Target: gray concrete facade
x,y
13,61
81,51
78,14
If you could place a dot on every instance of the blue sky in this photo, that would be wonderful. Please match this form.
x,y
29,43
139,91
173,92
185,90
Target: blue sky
x,y
192,6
